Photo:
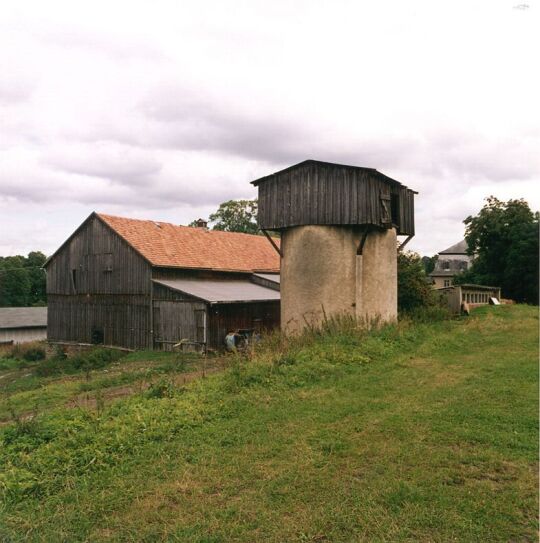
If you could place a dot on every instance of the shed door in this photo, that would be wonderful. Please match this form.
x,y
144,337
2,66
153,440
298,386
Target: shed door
x,y
200,323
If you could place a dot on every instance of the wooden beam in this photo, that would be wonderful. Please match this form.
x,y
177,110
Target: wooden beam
x,y
405,243
274,244
360,249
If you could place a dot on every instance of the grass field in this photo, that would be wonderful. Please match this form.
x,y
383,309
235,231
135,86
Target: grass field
x,y
417,432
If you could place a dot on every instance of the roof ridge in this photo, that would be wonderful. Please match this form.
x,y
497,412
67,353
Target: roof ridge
x,y
194,228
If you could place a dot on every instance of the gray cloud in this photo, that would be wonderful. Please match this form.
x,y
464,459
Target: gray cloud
x,y
107,160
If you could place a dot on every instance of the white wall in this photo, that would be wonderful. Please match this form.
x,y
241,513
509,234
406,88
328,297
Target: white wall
x,y
20,335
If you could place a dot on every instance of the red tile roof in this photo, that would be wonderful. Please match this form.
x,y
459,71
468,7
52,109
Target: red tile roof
x,y
166,244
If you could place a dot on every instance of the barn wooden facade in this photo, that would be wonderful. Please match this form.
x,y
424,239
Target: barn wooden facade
x,y
143,284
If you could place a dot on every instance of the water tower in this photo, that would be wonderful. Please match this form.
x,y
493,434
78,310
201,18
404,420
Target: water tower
x,y
339,226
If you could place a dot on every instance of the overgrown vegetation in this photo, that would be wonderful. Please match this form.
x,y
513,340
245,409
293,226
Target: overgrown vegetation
x,y
415,294
31,351
413,432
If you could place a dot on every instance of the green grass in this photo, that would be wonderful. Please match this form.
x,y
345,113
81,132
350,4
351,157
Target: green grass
x,y
417,432
24,390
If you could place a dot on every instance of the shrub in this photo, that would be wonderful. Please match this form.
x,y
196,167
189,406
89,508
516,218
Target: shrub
x,y
31,352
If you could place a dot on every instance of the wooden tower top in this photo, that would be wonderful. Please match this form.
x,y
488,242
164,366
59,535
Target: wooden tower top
x,y
315,192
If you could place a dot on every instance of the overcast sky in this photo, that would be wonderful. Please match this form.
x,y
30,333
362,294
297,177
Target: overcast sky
x,y
162,110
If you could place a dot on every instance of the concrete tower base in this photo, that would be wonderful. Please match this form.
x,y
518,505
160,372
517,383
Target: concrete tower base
x,y
321,274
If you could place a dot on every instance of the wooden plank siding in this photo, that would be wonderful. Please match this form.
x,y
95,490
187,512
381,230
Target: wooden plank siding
x,y
330,194
97,281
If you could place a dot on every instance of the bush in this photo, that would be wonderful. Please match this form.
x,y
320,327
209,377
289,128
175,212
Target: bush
x,y
414,291
31,352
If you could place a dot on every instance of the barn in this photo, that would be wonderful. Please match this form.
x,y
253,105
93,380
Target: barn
x,y
142,284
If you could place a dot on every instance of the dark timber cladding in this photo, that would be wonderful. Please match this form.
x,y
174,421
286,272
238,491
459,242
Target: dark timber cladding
x,y
315,192
98,290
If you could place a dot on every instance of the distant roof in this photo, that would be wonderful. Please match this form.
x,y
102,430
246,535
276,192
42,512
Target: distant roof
x,y
459,248
224,291
330,164
170,245
444,273
23,317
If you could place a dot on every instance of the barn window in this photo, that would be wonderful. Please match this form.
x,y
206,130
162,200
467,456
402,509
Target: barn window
x,y
447,282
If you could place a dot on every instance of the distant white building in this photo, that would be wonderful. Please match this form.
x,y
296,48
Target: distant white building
x,y
20,324
451,261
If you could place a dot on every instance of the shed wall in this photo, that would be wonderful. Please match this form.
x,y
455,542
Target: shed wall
x,y
21,335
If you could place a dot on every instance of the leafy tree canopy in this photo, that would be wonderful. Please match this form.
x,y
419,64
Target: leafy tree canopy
x,y
504,238
235,216
22,280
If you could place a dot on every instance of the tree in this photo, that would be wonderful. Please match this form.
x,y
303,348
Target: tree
x,y
22,280
14,282
236,216
36,275
414,291
429,263
504,238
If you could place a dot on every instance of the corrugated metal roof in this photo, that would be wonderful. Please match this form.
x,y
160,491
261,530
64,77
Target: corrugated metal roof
x,y
23,317
224,291
274,277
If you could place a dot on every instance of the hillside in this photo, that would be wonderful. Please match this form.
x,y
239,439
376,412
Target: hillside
x,y
418,432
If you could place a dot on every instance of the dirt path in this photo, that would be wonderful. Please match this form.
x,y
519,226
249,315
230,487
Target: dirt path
x,y
107,395
89,400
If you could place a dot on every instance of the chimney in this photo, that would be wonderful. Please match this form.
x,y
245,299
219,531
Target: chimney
x,y
201,223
